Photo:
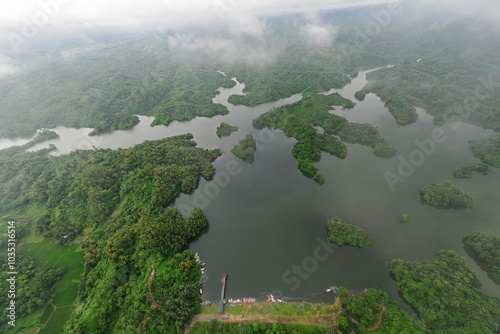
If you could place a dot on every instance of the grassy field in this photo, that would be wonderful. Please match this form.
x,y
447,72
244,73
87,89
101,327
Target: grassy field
x,y
207,327
47,254
47,313
57,320
267,308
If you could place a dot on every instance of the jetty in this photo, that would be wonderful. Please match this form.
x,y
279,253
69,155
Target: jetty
x,y
222,293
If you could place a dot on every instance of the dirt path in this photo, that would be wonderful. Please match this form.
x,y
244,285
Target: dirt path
x,y
379,323
150,296
320,320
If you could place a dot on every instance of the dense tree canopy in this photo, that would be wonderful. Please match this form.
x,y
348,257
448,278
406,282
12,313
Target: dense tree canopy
x,y
225,129
487,248
446,293
446,195
375,312
343,233
245,150
299,119
488,150
467,171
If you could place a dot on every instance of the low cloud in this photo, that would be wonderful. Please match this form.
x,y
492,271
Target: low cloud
x,y
316,33
7,67
228,50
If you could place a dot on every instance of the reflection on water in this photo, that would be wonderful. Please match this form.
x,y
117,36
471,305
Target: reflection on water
x,y
268,220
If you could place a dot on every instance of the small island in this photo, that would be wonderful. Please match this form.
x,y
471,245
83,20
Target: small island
x,y
487,248
406,218
245,150
224,129
343,233
467,171
360,95
446,195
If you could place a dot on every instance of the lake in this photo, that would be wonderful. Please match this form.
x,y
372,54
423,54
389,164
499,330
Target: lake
x,y
267,220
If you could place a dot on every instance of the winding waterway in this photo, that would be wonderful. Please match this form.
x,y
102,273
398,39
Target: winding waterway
x,y
267,221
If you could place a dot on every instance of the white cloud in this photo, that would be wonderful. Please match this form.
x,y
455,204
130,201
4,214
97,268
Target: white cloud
x,y
317,33
51,17
7,67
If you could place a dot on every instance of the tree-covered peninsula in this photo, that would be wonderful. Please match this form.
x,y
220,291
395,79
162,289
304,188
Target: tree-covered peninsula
x,y
343,233
486,248
446,195
446,294
488,150
374,311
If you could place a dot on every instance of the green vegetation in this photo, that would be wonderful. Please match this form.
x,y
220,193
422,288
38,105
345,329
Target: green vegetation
x,y
53,274
42,136
82,189
407,218
105,86
245,150
396,101
366,134
446,294
374,311
298,120
488,150
215,327
360,95
284,309
446,195
468,171
343,233
36,287
78,193
292,74
225,129
487,249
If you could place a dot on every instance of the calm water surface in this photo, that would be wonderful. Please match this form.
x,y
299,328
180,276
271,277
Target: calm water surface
x,y
267,221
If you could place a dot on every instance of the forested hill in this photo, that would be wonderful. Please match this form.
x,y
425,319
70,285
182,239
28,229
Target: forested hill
x,y
117,198
102,86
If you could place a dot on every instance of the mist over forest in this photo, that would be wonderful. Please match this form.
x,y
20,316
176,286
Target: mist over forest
x,y
383,119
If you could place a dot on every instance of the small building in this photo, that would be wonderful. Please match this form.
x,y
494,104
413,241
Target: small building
x,y
221,307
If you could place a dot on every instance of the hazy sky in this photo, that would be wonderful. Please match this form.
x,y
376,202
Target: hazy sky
x,y
23,21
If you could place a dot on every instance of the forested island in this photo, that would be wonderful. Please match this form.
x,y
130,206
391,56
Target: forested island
x,y
467,171
487,249
224,130
245,150
102,248
342,233
298,120
446,195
